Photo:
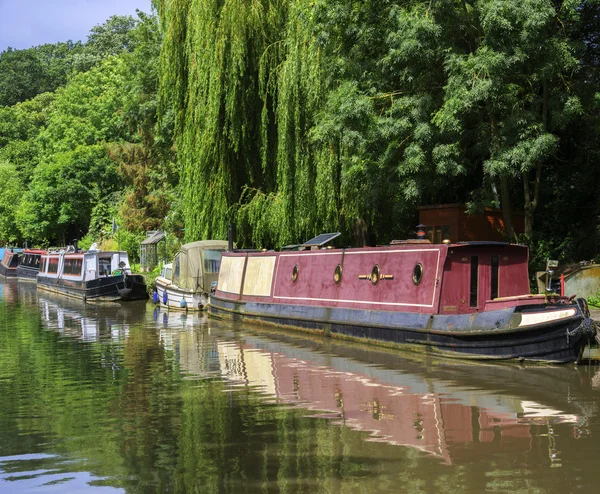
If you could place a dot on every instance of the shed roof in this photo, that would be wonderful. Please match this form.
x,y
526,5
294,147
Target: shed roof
x,y
153,237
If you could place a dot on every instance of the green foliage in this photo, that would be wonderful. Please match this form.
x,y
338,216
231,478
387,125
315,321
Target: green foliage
x,y
64,189
27,73
10,195
114,37
368,109
130,243
594,300
92,150
87,110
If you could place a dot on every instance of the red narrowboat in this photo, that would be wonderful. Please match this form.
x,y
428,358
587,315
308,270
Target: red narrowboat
x,y
468,300
9,263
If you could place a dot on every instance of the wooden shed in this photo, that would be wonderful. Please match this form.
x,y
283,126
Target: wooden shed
x,y
149,250
451,221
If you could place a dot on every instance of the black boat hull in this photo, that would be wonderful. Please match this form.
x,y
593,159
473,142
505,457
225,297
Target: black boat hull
x,y
27,273
484,336
7,272
110,289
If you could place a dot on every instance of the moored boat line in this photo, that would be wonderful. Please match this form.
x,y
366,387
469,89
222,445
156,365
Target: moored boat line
x,y
468,300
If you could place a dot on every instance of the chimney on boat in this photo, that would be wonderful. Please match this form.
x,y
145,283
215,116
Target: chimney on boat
x,y
230,236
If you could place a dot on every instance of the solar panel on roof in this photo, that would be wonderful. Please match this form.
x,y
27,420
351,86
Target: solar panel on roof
x,y
321,239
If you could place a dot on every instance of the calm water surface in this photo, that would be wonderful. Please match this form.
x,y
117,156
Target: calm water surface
x,y
126,398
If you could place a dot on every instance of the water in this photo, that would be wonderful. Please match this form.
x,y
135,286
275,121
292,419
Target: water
x,y
126,398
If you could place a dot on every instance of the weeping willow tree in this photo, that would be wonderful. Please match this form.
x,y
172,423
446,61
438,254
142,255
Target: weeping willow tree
x,y
298,116
244,78
285,123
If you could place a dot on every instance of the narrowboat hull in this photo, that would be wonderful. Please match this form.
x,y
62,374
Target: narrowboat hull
x,y
490,335
7,272
109,289
26,273
171,296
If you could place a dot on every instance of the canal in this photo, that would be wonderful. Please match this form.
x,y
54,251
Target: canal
x,y
127,398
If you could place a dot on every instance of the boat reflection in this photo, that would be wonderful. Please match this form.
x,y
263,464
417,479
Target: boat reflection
x,y
89,322
447,409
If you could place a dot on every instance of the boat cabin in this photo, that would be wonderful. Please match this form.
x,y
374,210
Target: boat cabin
x,y
32,258
83,266
196,265
9,263
10,259
423,278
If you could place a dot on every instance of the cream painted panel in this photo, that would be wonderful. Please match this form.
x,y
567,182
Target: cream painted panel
x,y
230,274
259,276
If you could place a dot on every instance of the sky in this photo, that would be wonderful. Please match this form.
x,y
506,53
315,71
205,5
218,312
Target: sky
x,y
27,23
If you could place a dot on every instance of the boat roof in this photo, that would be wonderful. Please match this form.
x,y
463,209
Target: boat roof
x,y
203,245
484,243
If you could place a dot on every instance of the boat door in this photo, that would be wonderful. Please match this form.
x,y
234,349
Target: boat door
x,y
471,278
483,279
90,267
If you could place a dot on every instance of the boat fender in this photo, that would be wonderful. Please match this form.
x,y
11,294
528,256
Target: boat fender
x,y
586,329
155,297
182,303
165,297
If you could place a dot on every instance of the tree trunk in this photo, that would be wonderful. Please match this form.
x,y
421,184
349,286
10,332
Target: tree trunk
x,y
532,196
506,209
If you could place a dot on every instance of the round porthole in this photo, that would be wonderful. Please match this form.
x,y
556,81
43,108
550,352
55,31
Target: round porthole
x,y
375,274
295,273
337,274
418,274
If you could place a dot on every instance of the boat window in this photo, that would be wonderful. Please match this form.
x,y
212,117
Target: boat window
x,y
53,265
295,273
73,266
375,274
212,260
104,268
29,260
337,275
474,280
418,274
176,264
168,273
494,293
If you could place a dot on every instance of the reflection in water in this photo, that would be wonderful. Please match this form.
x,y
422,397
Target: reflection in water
x,y
135,399
403,406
